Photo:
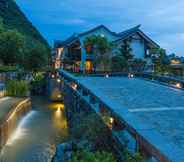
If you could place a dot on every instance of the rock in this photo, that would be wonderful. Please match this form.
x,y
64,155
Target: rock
x,y
64,151
60,153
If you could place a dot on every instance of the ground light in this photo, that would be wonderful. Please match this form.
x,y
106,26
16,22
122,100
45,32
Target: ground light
x,y
59,109
111,120
59,96
59,80
107,76
53,76
178,85
131,75
74,86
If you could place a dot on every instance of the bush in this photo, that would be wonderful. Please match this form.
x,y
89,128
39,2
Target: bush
x,y
119,64
38,83
87,129
17,88
132,158
8,68
85,156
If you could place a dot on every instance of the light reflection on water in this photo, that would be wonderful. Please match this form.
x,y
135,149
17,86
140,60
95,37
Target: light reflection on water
x,y
21,130
37,135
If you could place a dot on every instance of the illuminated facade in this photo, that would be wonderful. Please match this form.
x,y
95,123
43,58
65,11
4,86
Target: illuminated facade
x,y
72,55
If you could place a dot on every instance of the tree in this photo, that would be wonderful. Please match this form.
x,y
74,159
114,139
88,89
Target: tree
x,y
100,46
126,50
118,63
36,58
138,65
160,60
11,47
85,156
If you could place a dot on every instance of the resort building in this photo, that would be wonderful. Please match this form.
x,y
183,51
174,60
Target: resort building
x,y
71,53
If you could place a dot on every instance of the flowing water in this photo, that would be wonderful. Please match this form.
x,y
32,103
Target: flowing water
x,y
37,134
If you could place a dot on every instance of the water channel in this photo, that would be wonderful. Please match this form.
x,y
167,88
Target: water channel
x,y
37,134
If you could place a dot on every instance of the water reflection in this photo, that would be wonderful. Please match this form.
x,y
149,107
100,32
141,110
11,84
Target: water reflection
x,y
21,130
58,115
37,134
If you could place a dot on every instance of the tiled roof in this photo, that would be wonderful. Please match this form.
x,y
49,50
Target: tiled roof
x,y
120,36
129,31
96,28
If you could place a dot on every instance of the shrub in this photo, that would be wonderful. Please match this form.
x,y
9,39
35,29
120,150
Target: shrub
x,y
87,129
85,156
119,64
17,88
132,158
8,68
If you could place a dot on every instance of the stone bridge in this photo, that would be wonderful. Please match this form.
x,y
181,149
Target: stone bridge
x,y
147,114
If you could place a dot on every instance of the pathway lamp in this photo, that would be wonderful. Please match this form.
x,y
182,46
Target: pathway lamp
x,y
178,85
111,120
53,76
107,76
59,80
74,86
131,75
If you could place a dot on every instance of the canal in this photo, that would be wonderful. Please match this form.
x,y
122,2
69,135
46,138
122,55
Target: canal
x,y
37,134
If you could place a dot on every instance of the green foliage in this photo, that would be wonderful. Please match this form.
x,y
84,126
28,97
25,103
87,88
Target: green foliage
x,y
126,50
38,83
100,47
13,18
15,51
18,37
118,63
160,60
87,128
8,68
132,158
138,65
85,156
101,44
11,47
17,88
36,58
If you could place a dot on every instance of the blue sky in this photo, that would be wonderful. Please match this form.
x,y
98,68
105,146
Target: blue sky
x,y
161,20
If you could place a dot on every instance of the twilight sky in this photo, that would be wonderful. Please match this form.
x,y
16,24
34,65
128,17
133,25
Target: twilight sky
x,y
57,19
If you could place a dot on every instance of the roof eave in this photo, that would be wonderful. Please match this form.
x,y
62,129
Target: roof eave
x,y
142,34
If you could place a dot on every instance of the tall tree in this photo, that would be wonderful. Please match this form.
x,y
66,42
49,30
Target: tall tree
x,y
11,47
118,63
100,47
36,58
160,60
126,50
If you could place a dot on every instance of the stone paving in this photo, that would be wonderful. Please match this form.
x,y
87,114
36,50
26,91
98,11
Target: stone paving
x,y
159,106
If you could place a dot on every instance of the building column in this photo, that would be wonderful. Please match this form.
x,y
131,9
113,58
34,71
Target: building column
x,y
83,57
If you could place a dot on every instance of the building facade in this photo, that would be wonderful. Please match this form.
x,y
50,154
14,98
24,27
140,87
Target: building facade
x,y
71,53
